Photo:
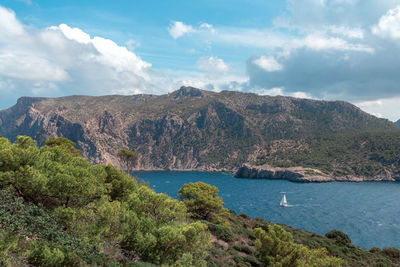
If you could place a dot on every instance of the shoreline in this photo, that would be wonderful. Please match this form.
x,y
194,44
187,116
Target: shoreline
x,y
292,174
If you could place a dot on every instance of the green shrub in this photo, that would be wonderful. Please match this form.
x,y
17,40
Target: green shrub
x,y
42,255
392,252
222,232
339,237
244,248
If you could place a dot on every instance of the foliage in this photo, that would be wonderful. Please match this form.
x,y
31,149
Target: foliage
x,y
276,247
64,143
222,232
203,202
49,175
353,255
56,209
362,154
8,241
71,213
128,158
392,252
160,233
339,237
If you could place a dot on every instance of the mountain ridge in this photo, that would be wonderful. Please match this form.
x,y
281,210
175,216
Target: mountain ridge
x,y
188,129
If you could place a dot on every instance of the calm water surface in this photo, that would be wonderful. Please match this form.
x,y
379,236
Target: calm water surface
x,y
368,212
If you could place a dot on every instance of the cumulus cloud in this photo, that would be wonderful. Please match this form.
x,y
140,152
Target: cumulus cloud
x,y
322,42
316,14
354,58
372,103
268,63
10,26
63,60
178,29
213,65
389,24
386,108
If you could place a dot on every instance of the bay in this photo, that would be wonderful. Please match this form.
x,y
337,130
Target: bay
x,y
368,212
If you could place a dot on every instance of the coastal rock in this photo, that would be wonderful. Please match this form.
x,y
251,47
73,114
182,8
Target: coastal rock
x,y
294,174
305,175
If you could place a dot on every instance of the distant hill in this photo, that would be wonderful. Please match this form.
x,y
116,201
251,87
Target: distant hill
x,y
397,123
189,128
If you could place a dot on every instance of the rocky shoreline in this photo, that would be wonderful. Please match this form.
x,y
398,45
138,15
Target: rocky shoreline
x,y
305,175
293,174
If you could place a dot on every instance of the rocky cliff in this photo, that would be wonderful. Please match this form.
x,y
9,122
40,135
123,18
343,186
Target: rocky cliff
x,y
186,129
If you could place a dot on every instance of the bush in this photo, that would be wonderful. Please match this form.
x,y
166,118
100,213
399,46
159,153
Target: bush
x,y
392,252
276,247
244,216
222,232
375,250
42,255
339,237
244,248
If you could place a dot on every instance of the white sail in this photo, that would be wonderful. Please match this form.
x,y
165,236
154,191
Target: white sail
x,y
284,202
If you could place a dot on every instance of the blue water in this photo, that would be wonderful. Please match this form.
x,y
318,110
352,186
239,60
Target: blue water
x,y
368,212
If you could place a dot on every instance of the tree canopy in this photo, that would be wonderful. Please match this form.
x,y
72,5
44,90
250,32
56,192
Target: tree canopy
x,y
128,158
202,201
68,212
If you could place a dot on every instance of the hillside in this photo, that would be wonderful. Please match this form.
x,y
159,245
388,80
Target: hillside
x,y
397,123
186,129
57,209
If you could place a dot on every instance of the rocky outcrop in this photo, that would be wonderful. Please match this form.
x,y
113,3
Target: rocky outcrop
x,y
304,175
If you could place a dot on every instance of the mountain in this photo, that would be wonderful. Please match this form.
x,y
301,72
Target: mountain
x,y
397,123
189,128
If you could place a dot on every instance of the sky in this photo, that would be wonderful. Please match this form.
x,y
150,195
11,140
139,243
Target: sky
x,y
321,49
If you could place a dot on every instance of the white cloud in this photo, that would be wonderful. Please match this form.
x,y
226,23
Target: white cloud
x,y
301,95
9,24
382,108
132,44
178,29
213,65
63,60
75,34
268,63
321,42
389,24
372,103
346,31
208,27
28,67
272,92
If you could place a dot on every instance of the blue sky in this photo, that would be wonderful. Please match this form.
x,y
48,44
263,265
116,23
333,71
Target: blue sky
x,y
321,49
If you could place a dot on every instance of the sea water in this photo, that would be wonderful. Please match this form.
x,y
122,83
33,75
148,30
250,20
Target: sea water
x,y
369,212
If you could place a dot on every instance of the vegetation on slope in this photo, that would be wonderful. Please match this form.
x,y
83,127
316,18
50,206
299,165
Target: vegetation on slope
x,y
365,154
56,209
59,210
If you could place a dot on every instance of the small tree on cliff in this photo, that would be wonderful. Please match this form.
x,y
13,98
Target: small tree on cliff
x,y
128,158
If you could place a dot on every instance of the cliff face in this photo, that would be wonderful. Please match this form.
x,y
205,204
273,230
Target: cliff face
x,y
186,129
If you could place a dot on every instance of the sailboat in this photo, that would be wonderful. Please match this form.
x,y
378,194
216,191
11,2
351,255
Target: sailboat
x,y
284,202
